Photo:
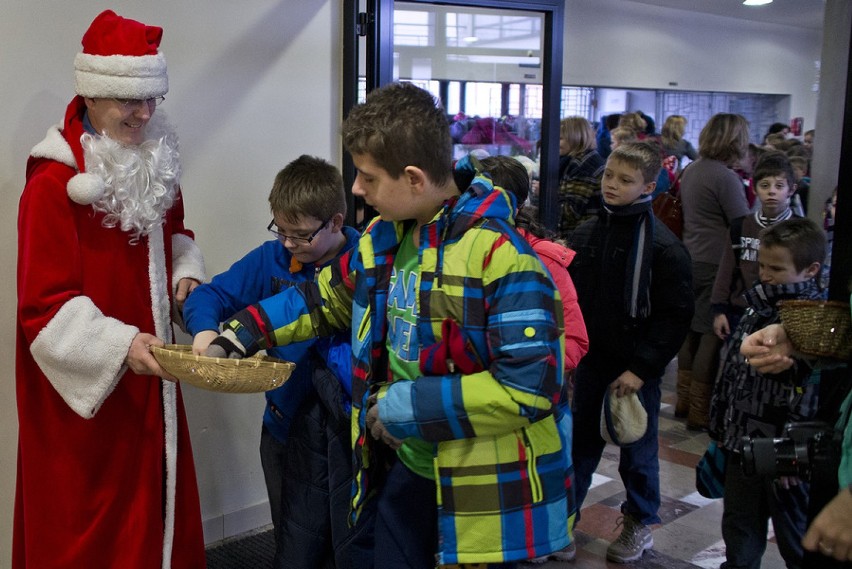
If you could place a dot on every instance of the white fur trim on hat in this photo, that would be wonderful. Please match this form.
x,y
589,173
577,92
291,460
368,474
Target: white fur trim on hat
x,y
85,188
121,76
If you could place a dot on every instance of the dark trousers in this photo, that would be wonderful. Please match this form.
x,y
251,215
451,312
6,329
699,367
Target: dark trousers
x,y
272,453
639,464
749,502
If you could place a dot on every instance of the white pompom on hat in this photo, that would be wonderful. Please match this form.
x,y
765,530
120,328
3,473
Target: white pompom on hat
x,y
121,59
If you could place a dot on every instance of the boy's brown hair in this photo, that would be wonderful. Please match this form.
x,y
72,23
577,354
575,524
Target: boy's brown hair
x,y
308,187
510,175
643,156
774,163
801,236
401,125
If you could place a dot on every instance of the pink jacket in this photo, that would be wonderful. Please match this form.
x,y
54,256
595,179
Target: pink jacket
x,y
556,258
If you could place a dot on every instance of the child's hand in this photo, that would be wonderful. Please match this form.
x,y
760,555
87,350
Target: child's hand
x,y
721,327
626,383
202,340
768,349
376,427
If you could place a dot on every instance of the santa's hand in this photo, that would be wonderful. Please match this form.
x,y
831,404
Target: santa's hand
x,y
184,287
226,345
141,361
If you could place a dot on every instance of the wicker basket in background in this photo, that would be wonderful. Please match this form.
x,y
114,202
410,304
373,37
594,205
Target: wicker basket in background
x,y
250,375
818,328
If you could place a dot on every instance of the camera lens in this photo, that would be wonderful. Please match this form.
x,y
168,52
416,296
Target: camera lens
x,y
769,457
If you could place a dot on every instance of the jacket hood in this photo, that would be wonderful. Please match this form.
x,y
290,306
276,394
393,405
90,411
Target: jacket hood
x,y
480,200
544,247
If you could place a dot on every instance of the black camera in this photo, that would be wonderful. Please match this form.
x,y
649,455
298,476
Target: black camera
x,y
805,448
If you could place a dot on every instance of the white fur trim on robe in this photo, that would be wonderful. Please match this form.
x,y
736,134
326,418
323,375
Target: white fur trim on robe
x,y
55,147
82,352
187,261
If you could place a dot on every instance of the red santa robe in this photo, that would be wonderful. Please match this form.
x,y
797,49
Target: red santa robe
x,y
105,469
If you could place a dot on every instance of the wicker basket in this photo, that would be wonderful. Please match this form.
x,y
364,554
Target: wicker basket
x,y
818,328
249,375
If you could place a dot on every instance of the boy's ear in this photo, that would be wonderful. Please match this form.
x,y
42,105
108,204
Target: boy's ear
x,y
813,269
337,222
649,188
416,178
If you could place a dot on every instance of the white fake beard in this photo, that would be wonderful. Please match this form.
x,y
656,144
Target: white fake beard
x,y
140,180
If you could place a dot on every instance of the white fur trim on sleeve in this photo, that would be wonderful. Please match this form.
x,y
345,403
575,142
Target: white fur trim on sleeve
x,y
187,261
82,352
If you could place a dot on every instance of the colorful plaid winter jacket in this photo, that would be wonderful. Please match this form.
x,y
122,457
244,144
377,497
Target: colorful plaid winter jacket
x,y
499,464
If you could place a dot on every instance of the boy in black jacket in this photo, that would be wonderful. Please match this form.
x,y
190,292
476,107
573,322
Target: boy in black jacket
x,y
634,283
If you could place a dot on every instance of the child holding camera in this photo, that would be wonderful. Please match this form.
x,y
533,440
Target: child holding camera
x,y
747,403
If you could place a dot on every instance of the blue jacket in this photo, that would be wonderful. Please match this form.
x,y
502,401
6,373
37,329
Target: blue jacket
x,y
264,272
499,455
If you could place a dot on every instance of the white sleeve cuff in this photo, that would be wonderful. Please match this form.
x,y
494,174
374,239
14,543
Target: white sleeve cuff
x,y
187,261
82,353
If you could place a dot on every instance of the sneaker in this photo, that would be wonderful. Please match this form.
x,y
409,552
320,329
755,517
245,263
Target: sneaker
x,y
635,538
564,554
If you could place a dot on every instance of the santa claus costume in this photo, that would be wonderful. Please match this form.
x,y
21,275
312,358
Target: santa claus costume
x,y
105,469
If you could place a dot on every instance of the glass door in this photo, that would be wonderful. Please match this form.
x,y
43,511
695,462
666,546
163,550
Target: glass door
x,y
496,66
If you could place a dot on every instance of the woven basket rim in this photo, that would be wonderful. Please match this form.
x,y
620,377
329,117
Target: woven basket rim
x,y
821,328
808,302
250,375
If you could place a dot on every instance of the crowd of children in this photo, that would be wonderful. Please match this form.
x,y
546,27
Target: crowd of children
x,y
481,342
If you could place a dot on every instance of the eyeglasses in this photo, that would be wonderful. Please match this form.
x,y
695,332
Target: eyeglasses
x,y
136,103
293,239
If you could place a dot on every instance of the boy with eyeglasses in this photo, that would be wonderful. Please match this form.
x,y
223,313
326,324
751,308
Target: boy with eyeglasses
x,y
298,455
457,351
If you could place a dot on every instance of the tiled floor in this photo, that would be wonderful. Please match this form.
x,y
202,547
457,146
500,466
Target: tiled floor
x,y
690,533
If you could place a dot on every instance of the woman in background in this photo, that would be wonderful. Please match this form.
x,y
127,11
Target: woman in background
x,y
712,196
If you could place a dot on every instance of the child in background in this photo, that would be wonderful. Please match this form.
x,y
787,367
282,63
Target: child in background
x,y
510,174
774,184
801,169
748,403
457,351
580,168
634,284
304,466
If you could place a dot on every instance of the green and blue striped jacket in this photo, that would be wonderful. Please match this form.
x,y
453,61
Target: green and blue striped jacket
x,y
500,465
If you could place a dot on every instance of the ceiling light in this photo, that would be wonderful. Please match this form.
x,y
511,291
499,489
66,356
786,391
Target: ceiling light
x,y
474,39
756,2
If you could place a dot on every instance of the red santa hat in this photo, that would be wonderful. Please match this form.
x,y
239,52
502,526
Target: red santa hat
x,y
121,59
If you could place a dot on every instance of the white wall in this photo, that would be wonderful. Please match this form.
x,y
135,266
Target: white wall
x,y
256,83
615,43
253,85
